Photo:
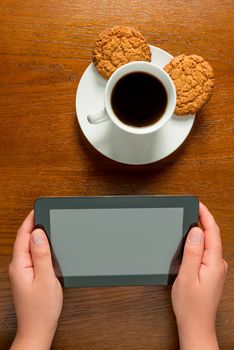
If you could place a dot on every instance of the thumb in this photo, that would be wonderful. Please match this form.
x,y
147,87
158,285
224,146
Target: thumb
x,y
193,253
41,255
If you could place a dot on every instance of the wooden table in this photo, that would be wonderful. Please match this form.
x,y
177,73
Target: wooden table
x,y
45,47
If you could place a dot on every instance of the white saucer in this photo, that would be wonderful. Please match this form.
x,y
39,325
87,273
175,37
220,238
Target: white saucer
x,y
120,145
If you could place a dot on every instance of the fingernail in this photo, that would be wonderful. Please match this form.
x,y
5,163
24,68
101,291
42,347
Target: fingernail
x,y
38,237
195,236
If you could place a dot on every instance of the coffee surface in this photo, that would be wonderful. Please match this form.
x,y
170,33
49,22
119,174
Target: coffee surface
x,y
139,99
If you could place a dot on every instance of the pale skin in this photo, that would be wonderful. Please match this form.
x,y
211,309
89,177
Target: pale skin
x,y
196,292
198,287
36,291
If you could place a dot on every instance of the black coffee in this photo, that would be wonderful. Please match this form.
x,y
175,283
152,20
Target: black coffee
x,y
139,99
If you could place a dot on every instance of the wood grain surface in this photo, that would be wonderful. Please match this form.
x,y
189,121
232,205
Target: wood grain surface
x,y
45,46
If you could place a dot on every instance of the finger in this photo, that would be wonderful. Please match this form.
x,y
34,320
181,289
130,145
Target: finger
x,y
21,250
225,264
213,243
41,255
225,267
28,223
193,252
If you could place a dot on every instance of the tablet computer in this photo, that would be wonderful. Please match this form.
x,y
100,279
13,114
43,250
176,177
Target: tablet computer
x,y
116,240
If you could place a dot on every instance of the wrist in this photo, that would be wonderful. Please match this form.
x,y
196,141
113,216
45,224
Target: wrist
x,y
197,338
33,336
28,342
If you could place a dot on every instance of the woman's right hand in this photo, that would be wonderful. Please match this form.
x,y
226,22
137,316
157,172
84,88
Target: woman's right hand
x,y
198,287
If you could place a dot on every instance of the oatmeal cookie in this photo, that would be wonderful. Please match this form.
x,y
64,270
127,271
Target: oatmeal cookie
x,y
194,81
118,46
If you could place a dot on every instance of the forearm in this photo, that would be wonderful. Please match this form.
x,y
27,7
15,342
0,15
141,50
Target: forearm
x,y
198,340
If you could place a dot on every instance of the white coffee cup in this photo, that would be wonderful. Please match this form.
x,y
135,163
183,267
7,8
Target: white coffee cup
x,y
139,66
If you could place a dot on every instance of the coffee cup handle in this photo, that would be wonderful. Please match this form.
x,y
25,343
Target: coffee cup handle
x,y
98,117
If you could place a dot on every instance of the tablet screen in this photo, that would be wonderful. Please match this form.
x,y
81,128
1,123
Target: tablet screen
x,y
119,241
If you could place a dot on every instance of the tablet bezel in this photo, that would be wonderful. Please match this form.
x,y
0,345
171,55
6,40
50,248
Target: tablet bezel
x,y
190,204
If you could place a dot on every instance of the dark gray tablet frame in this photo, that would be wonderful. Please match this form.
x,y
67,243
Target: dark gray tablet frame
x,y
190,204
